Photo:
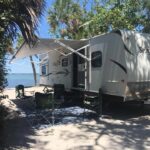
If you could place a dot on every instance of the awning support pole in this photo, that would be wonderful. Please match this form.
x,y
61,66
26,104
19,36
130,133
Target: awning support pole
x,y
90,68
60,52
72,50
84,47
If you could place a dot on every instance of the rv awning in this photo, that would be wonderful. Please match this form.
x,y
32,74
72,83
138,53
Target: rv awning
x,y
47,45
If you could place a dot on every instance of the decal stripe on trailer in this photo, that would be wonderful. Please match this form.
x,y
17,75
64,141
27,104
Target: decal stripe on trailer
x,y
120,65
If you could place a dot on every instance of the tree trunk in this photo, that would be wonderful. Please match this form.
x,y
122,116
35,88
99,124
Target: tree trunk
x,y
34,70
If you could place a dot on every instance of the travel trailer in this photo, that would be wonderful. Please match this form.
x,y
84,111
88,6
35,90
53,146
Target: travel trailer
x,y
118,63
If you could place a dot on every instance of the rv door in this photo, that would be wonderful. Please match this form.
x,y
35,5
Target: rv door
x,y
96,66
81,70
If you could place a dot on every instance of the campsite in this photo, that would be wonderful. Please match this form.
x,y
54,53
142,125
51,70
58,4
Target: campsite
x,y
125,128
74,75
90,65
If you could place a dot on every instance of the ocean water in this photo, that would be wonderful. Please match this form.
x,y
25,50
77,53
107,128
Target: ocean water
x,y
25,79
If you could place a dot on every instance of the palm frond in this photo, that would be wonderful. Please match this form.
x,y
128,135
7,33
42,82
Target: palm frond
x,y
22,15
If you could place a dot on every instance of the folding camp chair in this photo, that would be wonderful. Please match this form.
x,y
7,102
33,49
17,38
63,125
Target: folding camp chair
x,y
59,91
58,99
52,101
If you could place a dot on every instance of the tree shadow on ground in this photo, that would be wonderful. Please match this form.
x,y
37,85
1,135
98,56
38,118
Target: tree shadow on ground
x,y
16,132
25,104
125,111
129,128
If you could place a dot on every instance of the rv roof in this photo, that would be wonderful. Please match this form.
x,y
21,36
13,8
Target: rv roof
x,y
142,40
47,45
129,38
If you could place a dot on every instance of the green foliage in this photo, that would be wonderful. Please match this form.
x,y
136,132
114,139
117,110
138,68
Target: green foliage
x,y
22,15
65,19
17,16
82,19
20,41
3,71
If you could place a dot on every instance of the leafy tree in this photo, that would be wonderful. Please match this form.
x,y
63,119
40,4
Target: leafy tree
x,y
22,15
17,16
112,14
146,16
3,70
82,18
65,19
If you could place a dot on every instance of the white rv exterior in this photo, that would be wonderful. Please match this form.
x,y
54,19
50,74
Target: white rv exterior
x,y
119,64
56,70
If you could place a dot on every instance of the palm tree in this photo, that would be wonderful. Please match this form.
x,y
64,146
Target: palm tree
x,y
65,17
22,15
34,70
18,16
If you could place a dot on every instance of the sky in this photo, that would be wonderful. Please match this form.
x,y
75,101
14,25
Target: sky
x,y
24,65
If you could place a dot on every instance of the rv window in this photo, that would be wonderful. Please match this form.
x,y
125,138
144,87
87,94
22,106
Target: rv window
x,y
43,70
97,59
64,62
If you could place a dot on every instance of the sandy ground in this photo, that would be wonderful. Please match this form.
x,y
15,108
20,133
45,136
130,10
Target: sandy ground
x,y
128,129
